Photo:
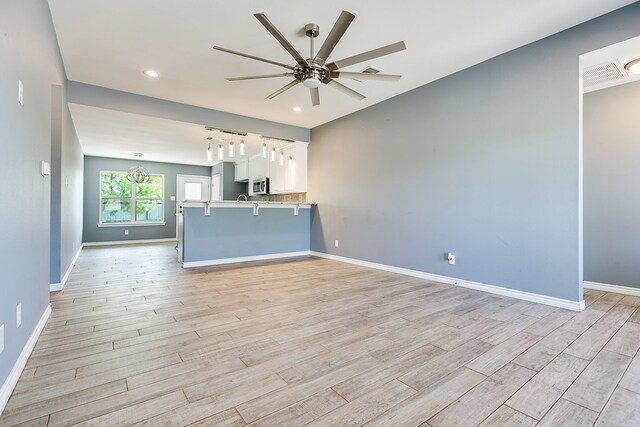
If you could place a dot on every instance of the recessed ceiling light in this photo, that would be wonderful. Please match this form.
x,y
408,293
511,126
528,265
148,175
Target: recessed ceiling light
x,y
633,66
297,109
151,73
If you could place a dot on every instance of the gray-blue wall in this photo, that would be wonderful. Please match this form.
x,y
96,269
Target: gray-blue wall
x,y
484,163
230,189
92,168
66,187
612,186
29,52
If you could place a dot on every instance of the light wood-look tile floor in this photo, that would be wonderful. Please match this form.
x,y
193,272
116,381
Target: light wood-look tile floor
x,y
136,340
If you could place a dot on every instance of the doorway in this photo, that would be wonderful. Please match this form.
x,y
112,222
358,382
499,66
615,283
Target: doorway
x,y
191,188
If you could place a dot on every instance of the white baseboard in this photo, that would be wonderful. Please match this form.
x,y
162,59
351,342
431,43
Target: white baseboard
x,y
618,289
18,367
129,242
527,296
54,287
244,259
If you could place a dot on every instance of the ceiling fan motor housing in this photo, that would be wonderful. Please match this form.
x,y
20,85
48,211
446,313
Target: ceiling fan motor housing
x,y
311,76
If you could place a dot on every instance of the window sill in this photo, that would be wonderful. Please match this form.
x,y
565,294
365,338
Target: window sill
x,y
131,224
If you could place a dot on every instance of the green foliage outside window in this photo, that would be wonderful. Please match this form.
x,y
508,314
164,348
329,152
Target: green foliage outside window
x,y
119,196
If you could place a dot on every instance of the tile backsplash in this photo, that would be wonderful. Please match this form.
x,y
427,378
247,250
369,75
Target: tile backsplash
x,y
291,197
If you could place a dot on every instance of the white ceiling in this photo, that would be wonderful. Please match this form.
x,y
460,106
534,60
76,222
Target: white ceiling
x,y
110,43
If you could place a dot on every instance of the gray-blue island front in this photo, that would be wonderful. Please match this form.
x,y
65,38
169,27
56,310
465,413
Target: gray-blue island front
x,y
221,232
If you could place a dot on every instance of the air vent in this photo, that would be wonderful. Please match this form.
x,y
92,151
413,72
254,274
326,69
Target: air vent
x,y
371,70
368,70
603,73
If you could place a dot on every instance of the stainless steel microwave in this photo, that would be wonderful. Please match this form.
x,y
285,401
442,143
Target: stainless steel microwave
x,y
261,186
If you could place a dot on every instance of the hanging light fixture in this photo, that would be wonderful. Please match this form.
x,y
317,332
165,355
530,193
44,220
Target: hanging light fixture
x,y
137,173
282,158
209,152
273,154
242,147
264,150
220,152
290,162
232,149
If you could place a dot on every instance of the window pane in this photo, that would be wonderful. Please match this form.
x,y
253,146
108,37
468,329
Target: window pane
x,y
115,185
192,191
149,210
150,188
115,210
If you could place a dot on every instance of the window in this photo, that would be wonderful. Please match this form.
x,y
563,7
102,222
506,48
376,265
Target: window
x,y
125,202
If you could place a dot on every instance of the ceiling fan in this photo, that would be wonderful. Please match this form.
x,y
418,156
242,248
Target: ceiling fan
x,y
315,71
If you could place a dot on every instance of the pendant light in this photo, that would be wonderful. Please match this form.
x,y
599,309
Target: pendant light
x,y
264,150
137,173
273,154
290,162
242,147
232,149
209,152
220,152
282,158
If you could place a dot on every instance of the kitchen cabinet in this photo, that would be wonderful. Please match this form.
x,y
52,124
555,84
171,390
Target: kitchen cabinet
x,y
288,178
242,171
258,168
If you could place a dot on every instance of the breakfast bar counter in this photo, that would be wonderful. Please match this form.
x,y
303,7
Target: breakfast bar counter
x,y
223,232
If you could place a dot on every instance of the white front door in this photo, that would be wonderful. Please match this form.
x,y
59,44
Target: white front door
x,y
192,188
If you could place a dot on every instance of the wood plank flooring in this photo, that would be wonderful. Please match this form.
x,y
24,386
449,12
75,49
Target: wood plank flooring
x,y
134,339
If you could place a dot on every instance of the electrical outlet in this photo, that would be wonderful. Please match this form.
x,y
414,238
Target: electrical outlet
x,y
20,92
1,338
18,315
337,243
451,258
126,232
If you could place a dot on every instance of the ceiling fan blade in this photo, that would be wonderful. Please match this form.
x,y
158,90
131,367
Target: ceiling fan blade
x,y
264,76
315,96
283,89
367,56
278,35
365,76
342,88
246,55
334,36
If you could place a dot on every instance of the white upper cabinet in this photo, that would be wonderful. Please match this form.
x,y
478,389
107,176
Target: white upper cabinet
x,y
258,168
242,171
290,174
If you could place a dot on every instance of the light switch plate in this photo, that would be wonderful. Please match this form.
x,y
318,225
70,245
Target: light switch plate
x,y
45,168
20,92
1,338
18,315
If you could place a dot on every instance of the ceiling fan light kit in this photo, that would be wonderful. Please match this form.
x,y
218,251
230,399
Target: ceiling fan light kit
x,y
314,72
